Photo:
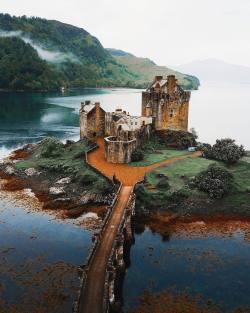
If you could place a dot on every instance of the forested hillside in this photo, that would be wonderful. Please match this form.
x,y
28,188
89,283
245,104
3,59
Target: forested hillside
x,y
40,54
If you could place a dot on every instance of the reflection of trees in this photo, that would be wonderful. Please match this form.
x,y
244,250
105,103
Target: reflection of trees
x,y
30,108
247,235
166,236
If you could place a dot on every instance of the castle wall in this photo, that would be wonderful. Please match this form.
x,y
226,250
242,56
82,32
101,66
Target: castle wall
x,y
168,105
117,151
92,124
83,125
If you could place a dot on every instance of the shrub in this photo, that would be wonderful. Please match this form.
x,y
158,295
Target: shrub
x,y
137,155
51,147
178,138
216,181
102,186
163,183
87,178
225,150
180,195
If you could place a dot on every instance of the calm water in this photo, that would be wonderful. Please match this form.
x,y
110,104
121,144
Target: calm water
x,y
214,265
39,256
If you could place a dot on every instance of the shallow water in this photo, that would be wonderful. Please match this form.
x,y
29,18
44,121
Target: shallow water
x,y
212,264
39,259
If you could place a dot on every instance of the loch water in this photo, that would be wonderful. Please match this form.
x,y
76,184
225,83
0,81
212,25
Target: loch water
x,y
204,261
36,249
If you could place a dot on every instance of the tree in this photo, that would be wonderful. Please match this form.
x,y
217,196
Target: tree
x,y
216,181
137,155
225,150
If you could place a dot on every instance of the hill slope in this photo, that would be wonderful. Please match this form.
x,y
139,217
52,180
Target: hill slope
x,y
77,57
21,68
60,55
146,69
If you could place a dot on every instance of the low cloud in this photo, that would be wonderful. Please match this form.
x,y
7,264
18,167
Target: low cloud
x,y
45,54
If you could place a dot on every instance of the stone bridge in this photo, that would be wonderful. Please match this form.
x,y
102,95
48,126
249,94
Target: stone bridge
x,y
105,263
98,288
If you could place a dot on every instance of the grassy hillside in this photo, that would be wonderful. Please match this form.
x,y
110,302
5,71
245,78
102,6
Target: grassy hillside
x,y
146,69
62,54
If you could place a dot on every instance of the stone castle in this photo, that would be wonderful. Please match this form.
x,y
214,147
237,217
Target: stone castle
x,y
165,105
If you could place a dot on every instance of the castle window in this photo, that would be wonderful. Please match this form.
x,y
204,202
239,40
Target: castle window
x,y
172,113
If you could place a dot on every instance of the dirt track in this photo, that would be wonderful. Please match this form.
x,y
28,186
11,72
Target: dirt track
x,y
128,175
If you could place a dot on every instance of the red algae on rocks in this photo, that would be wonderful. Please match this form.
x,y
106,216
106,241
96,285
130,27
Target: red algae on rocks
x,y
171,301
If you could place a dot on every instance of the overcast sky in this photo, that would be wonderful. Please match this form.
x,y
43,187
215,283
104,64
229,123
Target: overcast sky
x,y
170,32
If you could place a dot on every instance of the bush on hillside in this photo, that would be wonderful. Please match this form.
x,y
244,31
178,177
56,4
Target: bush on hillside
x,y
177,138
216,181
51,147
225,150
137,155
179,195
163,183
102,186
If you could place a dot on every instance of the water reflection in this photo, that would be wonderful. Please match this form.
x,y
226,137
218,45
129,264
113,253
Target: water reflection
x,y
213,263
28,118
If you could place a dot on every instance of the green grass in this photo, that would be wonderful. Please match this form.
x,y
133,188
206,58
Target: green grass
x,y
158,156
61,161
188,167
181,171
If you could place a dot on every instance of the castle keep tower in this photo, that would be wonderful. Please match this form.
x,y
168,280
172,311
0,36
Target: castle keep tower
x,y
167,103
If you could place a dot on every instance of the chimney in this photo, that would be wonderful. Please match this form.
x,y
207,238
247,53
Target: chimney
x,y
97,104
171,84
158,78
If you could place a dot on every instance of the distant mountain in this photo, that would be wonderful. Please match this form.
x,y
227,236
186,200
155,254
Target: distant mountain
x,y
40,54
214,70
146,69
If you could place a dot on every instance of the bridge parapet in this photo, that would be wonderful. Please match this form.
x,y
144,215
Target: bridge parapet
x,y
116,264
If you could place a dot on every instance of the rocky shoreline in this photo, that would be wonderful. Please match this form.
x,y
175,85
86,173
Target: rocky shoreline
x,y
55,191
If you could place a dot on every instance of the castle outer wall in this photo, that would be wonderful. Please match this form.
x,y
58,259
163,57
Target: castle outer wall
x,y
118,151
